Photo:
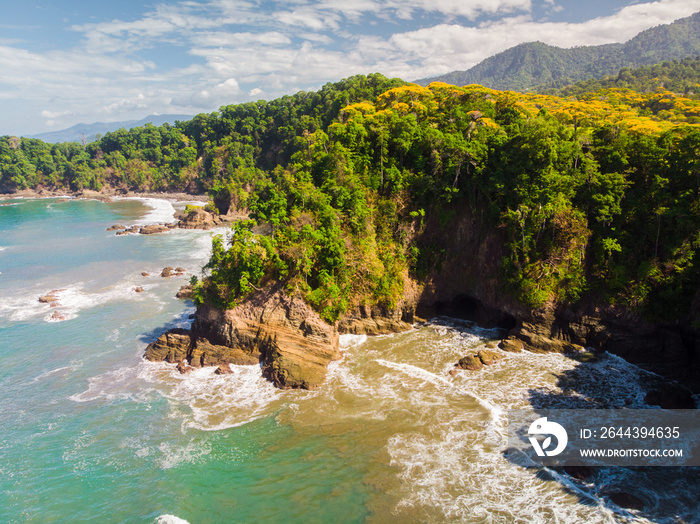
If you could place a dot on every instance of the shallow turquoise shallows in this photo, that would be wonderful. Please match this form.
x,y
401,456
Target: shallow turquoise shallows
x,y
89,431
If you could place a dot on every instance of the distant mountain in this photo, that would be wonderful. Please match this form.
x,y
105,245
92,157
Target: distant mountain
x,y
90,131
525,66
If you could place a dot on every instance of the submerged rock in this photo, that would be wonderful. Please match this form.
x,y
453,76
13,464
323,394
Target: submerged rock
x,y
58,316
224,369
183,368
50,296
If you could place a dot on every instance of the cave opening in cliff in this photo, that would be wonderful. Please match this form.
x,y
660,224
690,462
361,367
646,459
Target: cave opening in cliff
x,y
474,310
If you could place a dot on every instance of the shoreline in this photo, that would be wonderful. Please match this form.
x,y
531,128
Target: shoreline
x,y
100,195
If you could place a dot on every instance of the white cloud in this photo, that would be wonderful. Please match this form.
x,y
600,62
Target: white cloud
x,y
232,50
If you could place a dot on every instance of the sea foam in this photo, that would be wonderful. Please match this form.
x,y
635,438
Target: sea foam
x,y
162,211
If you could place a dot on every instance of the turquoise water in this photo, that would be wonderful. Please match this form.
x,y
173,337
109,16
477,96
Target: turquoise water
x,y
89,431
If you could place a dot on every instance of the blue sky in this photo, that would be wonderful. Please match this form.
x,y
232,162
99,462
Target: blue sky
x,y
77,61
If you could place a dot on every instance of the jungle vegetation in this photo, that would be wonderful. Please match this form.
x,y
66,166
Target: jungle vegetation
x,y
594,195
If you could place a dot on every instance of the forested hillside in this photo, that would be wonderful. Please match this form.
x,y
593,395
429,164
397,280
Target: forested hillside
x,y
677,76
537,65
193,155
596,196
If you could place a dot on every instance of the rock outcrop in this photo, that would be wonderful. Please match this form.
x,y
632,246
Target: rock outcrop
x,y
185,292
376,320
172,346
477,361
293,344
153,229
469,284
201,219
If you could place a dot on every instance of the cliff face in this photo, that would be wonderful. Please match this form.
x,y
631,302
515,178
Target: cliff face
x,y
469,285
292,343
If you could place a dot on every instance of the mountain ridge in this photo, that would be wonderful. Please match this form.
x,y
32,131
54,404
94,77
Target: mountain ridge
x,y
535,64
90,131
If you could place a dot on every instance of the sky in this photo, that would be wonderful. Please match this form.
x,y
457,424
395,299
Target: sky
x,y
65,62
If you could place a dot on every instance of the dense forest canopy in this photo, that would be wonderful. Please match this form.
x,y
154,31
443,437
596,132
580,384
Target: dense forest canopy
x,y
677,76
594,195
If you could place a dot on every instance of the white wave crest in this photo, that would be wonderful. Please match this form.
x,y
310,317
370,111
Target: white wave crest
x,y
170,519
162,211
214,402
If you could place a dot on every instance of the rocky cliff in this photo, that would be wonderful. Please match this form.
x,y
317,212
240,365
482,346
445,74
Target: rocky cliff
x,y
292,343
468,284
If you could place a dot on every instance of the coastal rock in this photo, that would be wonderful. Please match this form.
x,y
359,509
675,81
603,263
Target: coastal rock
x,y
204,353
536,342
183,368
471,363
224,369
179,271
376,320
144,274
116,227
198,219
50,296
489,358
511,345
167,272
138,289
172,346
490,345
58,316
294,344
185,292
153,229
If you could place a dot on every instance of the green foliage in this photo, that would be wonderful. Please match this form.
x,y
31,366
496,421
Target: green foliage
x,y
354,188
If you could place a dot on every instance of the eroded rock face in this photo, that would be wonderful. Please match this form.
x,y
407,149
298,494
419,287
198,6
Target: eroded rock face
x,y
376,321
293,343
204,353
185,292
471,363
173,346
199,219
153,229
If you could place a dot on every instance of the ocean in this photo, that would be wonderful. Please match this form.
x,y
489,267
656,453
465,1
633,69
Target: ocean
x,y
92,432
